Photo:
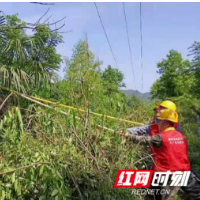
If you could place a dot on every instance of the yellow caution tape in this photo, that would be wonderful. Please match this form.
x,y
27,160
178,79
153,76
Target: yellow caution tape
x,y
80,110
72,108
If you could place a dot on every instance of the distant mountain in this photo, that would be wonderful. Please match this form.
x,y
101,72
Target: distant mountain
x,y
142,96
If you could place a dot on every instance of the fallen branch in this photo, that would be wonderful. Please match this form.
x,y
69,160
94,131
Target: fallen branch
x,y
5,101
75,184
24,167
144,159
94,158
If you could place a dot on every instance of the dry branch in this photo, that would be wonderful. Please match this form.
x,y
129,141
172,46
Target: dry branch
x,y
24,167
5,101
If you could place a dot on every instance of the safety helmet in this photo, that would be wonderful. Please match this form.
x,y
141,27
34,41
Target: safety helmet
x,y
169,105
169,115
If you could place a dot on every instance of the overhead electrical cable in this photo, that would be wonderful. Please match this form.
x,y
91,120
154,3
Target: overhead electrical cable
x,y
128,38
106,34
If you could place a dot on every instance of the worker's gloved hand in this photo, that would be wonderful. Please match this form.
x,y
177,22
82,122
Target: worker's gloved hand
x,y
135,138
121,133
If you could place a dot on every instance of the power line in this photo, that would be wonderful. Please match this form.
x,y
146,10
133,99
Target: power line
x,y
130,51
141,41
106,35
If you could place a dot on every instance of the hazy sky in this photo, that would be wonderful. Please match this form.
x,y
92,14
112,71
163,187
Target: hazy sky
x,y
166,26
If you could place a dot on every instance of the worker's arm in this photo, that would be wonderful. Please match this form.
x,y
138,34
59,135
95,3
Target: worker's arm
x,y
155,141
139,130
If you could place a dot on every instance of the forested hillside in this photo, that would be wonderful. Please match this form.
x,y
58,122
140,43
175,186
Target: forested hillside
x,y
142,96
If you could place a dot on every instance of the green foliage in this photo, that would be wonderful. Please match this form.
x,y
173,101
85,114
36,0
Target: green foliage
x,y
195,52
82,79
77,162
78,156
12,126
82,61
179,82
188,107
134,102
85,86
172,83
112,80
27,61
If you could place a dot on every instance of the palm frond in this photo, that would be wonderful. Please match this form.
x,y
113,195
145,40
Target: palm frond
x,y
2,23
2,19
18,78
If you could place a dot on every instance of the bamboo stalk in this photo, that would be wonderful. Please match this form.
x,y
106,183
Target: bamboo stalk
x,y
24,167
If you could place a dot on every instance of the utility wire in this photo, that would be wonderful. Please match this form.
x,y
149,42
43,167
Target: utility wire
x,y
106,35
130,51
141,42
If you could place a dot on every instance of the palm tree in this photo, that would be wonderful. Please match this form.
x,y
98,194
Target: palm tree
x,y
27,61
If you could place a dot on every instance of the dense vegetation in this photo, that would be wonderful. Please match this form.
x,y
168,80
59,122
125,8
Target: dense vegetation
x,y
54,153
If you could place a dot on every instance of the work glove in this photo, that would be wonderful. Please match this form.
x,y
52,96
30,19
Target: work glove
x,y
121,133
